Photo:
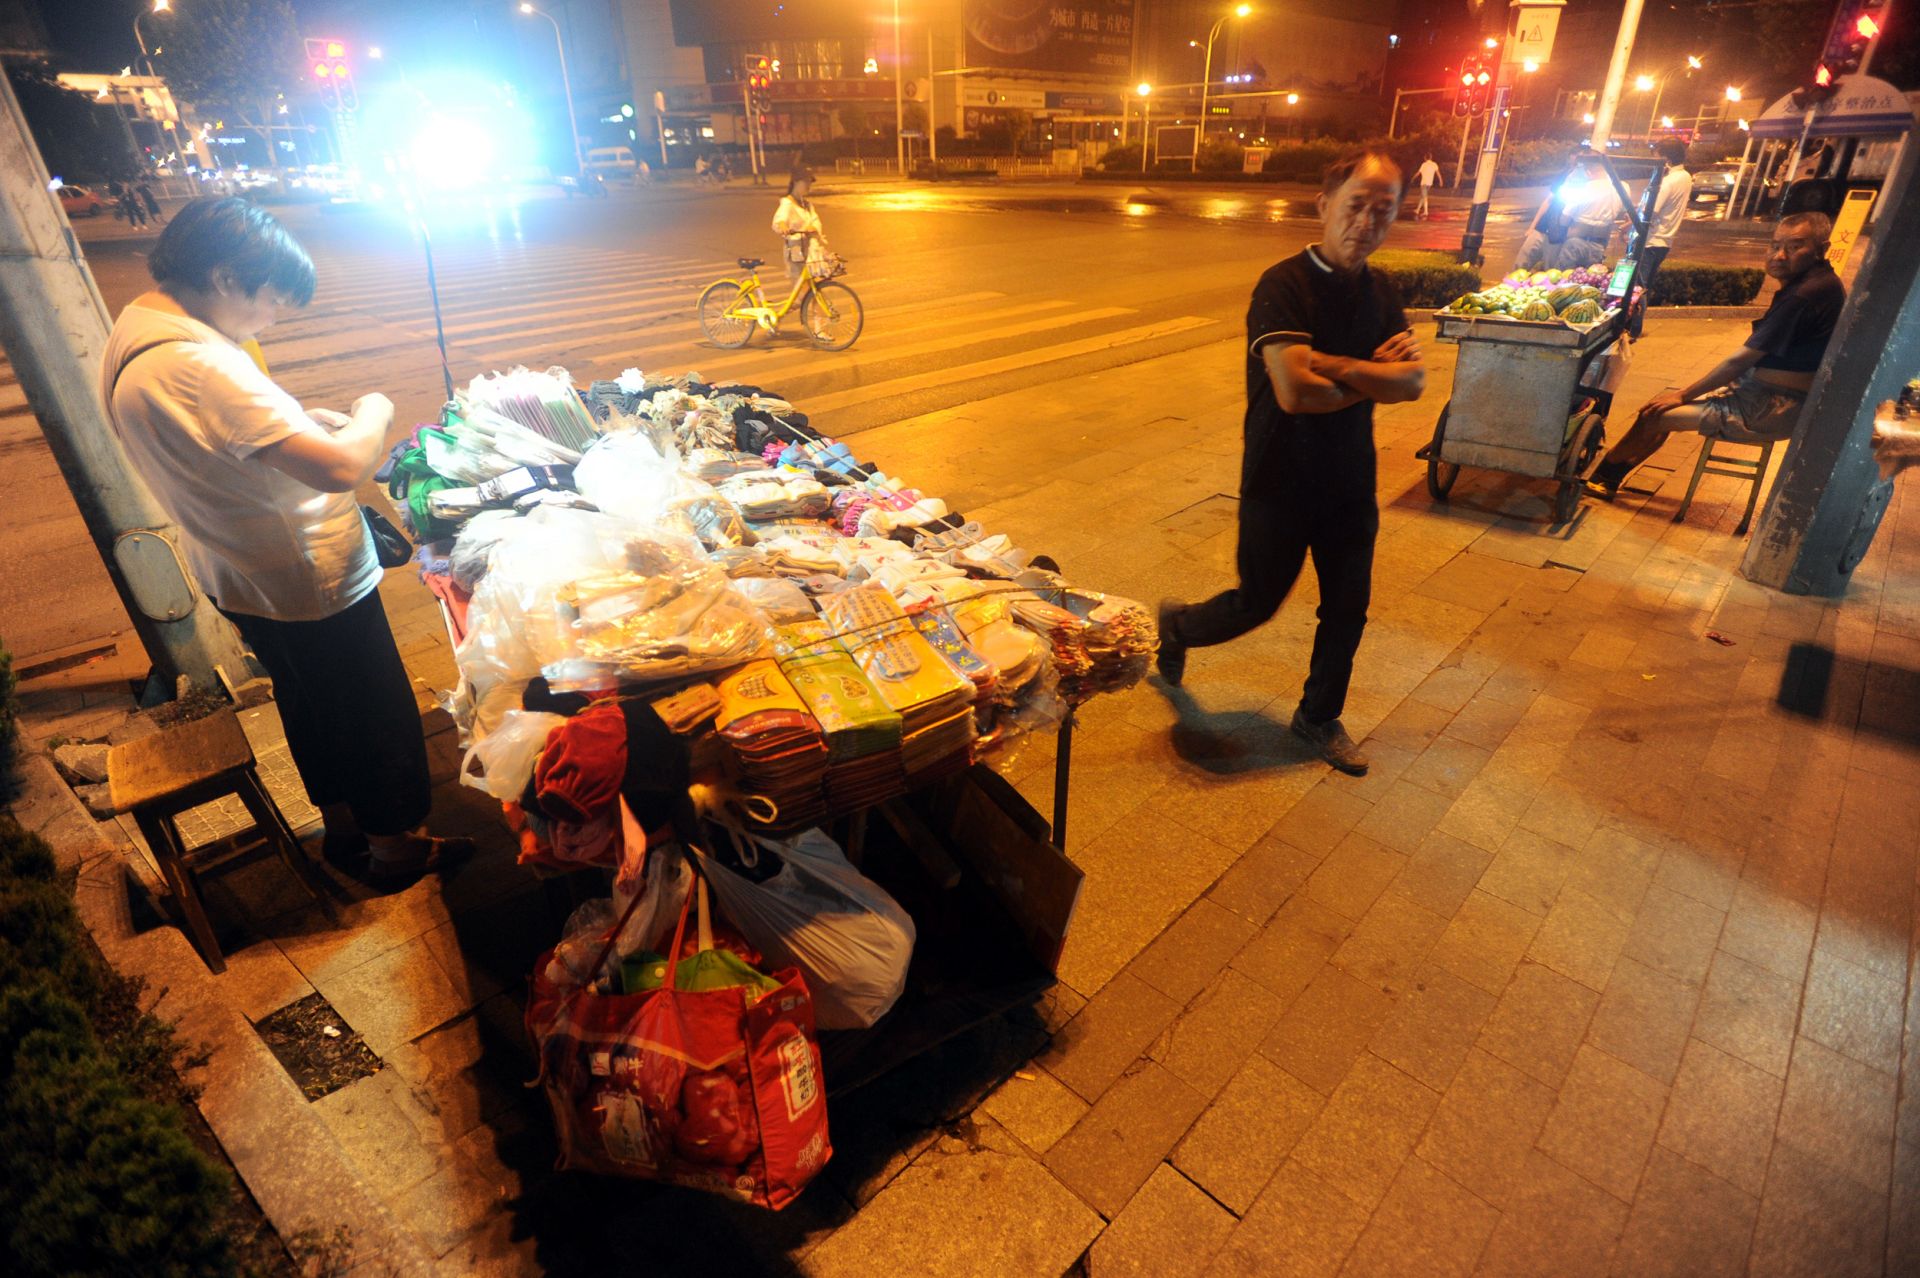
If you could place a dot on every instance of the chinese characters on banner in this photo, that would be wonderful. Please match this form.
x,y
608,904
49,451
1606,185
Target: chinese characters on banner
x,y
1075,37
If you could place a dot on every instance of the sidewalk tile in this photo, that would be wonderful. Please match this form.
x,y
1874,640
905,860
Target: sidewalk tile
x,y
1433,1027
1644,1019
1580,938
1487,811
378,1136
1615,869
1390,943
1426,1225
1485,1126
1770,931
1485,941
1263,878
1685,1223
1170,1226
1248,1131
1556,1223
1325,815
1189,955
1293,947
1839,1111
1540,1022
1218,1031
1038,1109
1317,1039
1749,1012
1605,1122
395,997
1528,871
1722,1115
1404,816
1109,1034
1367,1130
1113,1149
1299,1227
1354,875
1441,874
1813,1223
1854,1011
1447,766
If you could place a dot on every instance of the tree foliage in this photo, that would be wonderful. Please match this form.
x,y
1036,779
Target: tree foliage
x,y
78,137
231,55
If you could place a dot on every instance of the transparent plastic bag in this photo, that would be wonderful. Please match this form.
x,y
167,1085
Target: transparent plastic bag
x,y
628,475
849,939
662,877
501,762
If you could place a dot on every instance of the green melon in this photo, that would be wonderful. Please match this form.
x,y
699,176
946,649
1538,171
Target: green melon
x,y
1539,310
1583,312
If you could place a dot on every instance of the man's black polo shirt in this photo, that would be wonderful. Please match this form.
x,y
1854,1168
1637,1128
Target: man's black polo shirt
x,y
1799,321
1338,313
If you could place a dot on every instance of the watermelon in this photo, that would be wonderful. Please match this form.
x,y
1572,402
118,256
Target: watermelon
x,y
1537,310
1581,312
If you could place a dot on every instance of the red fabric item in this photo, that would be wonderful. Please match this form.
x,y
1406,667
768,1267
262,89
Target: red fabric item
x,y
699,1089
457,600
579,773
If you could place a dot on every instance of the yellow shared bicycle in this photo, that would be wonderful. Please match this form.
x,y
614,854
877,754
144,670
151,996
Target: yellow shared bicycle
x,y
730,310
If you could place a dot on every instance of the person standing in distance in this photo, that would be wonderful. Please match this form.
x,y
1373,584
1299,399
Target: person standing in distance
x,y
1426,175
1326,340
262,490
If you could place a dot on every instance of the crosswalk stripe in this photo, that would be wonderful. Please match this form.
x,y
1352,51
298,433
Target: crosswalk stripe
x,y
416,296
693,347
384,284
856,359
1003,364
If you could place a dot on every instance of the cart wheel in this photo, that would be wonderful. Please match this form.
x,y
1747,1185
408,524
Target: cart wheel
x,y
1589,437
1440,474
1566,501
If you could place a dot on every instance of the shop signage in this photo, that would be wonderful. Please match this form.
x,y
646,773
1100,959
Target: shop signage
x,y
987,95
1091,103
1075,37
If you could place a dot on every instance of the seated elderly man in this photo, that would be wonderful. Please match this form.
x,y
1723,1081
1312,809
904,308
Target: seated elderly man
x,y
1755,394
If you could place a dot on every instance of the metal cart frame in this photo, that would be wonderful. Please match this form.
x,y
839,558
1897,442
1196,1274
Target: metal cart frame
x,y
1519,401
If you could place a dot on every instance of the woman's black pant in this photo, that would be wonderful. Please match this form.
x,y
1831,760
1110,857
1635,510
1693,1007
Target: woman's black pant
x,y
346,702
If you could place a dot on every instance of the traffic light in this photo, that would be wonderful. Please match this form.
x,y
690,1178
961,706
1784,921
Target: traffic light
x,y
327,59
1856,27
1475,89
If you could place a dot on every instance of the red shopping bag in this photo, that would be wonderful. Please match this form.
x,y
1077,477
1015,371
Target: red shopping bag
x,y
717,1089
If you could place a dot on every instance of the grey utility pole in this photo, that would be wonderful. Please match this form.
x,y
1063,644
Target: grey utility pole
x,y
1824,510
53,327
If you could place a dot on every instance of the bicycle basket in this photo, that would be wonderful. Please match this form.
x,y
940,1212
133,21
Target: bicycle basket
x,y
827,266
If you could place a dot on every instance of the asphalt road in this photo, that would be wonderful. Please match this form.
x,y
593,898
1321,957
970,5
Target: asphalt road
x,y
970,292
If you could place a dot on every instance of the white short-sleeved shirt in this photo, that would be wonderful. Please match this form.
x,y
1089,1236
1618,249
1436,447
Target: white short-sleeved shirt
x,y
791,218
1670,208
1428,173
192,414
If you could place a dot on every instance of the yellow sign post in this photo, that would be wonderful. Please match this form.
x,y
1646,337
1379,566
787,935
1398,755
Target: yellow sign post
x,y
1846,227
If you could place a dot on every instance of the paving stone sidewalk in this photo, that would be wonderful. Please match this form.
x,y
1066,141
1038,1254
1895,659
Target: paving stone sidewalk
x,y
1606,967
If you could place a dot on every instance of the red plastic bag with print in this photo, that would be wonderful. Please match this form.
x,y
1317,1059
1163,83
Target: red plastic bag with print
x,y
716,1089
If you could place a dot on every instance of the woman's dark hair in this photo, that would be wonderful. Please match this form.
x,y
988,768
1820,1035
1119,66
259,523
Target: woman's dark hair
x,y
216,232
797,177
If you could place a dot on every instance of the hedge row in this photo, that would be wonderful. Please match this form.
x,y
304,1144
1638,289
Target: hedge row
x,y
97,1174
1682,283
1425,278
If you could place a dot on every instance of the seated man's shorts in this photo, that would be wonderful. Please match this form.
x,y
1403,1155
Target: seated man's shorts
x,y
1749,412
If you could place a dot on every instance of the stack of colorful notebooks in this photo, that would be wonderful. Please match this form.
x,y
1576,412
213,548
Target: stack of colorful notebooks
x,y
775,741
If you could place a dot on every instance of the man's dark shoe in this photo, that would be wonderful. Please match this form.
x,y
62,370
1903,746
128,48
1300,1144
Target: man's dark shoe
x,y
1605,481
1331,742
425,856
1171,659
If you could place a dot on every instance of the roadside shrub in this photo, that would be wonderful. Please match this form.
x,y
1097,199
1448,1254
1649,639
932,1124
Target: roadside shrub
x,y
1222,155
97,1176
9,711
1424,277
1682,283
1303,161
1122,159
1536,161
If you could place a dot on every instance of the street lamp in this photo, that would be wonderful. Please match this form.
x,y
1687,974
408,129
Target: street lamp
x,y
566,85
1692,63
159,6
376,52
1145,91
1206,77
1733,93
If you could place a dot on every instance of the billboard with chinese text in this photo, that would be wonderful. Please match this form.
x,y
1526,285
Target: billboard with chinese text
x,y
1067,37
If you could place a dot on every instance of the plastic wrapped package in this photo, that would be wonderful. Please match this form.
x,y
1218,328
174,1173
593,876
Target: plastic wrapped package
x,y
629,476
849,938
779,598
474,546
665,611
544,403
501,762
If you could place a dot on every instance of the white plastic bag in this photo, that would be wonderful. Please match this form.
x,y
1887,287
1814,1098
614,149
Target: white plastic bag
x,y
663,883
502,762
849,939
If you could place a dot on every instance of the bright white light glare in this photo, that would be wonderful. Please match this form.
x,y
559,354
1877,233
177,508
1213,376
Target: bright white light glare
x,y
1733,93
1293,99
1644,83
1143,88
1530,65
1587,118
1744,125
453,152
1578,190
1666,122
56,184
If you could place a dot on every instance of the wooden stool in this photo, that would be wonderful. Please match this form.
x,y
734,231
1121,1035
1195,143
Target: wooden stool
x,y
1712,463
157,777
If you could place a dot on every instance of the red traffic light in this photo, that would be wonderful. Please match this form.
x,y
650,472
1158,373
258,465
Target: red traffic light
x,y
335,49
321,70
1867,26
1466,77
1822,76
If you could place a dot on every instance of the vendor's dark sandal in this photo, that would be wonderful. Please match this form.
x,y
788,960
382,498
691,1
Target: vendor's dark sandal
x,y
440,854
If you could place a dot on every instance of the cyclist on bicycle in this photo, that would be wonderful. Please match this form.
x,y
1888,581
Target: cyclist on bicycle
x,y
798,224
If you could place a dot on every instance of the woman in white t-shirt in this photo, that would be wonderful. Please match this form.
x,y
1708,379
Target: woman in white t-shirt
x,y
263,491
797,222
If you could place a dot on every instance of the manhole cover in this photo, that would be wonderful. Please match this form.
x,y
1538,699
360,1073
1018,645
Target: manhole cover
x,y
317,1047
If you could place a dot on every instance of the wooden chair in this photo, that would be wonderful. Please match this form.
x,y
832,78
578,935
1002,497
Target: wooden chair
x,y
157,777
1716,463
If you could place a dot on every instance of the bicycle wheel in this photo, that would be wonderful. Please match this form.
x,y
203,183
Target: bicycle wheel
x,y
721,328
832,315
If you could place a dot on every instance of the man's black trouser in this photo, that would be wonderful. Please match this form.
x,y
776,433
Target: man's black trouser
x,y
347,705
1278,530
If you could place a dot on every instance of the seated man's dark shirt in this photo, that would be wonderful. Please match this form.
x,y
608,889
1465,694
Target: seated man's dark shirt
x,y
1799,321
1302,299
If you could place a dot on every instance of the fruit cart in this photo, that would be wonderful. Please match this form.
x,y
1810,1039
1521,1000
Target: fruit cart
x,y
1524,400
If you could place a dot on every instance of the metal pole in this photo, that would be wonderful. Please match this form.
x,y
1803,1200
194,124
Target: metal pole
x,y
566,86
1659,91
1609,103
1739,181
142,40
1476,233
53,328
899,100
1460,164
753,153
1206,79
1394,117
1146,131
933,141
